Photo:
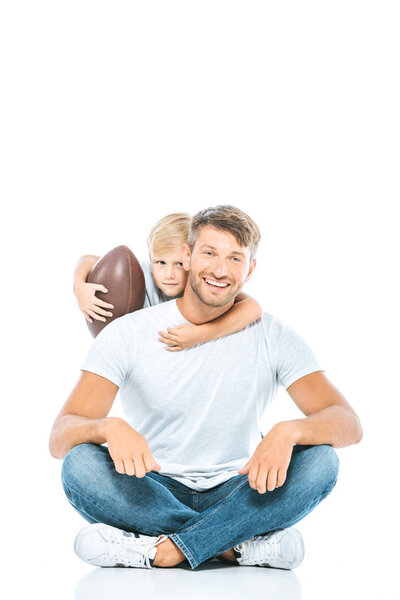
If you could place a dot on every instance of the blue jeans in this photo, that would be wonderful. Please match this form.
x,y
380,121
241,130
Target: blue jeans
x,y
202,524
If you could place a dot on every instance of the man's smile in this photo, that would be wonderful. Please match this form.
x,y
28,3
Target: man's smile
x,y
215,285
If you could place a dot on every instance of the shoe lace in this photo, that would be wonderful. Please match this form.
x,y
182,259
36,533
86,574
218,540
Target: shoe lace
x,y
133,552
261,552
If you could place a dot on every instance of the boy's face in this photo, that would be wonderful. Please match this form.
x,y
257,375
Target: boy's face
x,y
168,272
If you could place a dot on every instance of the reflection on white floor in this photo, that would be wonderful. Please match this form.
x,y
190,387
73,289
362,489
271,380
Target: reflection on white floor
x,y
348,554
341,561
212,579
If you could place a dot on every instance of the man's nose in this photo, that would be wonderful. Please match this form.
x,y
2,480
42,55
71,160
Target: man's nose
x,y
171,273
220,267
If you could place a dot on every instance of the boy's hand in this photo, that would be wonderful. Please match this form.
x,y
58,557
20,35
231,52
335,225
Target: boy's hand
x,y
180,337
270,460
89,303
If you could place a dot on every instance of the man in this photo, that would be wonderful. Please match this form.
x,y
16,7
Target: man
x,y
173,483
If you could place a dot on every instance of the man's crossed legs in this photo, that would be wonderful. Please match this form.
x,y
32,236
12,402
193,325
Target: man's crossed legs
x,y
199,525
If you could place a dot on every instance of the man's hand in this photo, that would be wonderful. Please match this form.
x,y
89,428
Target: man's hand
x,y
129,449
182,336
269,464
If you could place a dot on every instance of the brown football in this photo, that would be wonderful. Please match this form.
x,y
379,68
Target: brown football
x,y
120,272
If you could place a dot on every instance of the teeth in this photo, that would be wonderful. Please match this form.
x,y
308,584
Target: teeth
x,y
216,284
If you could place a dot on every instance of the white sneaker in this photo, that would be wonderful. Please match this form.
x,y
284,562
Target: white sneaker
x,y
102,545
281,549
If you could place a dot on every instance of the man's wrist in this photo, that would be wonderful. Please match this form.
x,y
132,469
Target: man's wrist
x,y
105,425
289,429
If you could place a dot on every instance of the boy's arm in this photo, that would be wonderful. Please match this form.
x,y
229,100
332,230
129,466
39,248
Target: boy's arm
x,y
83,268
242,296
244,311
91,306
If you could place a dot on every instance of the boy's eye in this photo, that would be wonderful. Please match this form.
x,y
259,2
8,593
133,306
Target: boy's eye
x,y
163,262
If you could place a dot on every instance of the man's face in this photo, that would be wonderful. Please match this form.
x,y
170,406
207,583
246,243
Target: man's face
x,y
218,266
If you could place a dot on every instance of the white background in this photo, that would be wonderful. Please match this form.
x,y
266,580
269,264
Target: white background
x,y
114,114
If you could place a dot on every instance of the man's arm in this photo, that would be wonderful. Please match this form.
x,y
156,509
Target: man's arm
x,y
83,418
329,417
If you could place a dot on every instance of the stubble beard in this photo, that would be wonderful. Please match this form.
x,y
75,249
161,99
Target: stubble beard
x,y
210,300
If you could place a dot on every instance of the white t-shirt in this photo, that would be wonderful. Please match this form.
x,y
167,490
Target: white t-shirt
x,y
199,408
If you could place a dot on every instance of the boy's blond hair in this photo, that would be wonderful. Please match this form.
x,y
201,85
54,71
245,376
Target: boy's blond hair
x,y
169,233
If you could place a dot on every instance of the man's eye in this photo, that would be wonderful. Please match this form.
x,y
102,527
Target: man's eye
x,y
180,264
161,261
207,252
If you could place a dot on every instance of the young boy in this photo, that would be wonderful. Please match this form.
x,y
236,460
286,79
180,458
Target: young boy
x,y
165,279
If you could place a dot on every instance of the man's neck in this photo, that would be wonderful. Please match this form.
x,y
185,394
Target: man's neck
x,y
195,311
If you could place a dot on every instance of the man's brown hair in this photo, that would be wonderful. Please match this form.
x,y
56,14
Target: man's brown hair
x,y
226,218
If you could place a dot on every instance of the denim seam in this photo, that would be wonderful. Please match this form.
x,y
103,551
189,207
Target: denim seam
x,y
216,509
184,549
175,537
192,561
113,517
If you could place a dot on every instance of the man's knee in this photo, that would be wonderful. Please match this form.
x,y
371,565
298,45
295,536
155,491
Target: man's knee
x,y
78,464
328,461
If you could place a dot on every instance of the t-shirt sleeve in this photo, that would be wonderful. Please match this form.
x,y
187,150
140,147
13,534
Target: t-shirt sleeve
x,y
108,354
294,357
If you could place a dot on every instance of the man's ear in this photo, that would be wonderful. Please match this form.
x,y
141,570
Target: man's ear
x,y
251,269
186,256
